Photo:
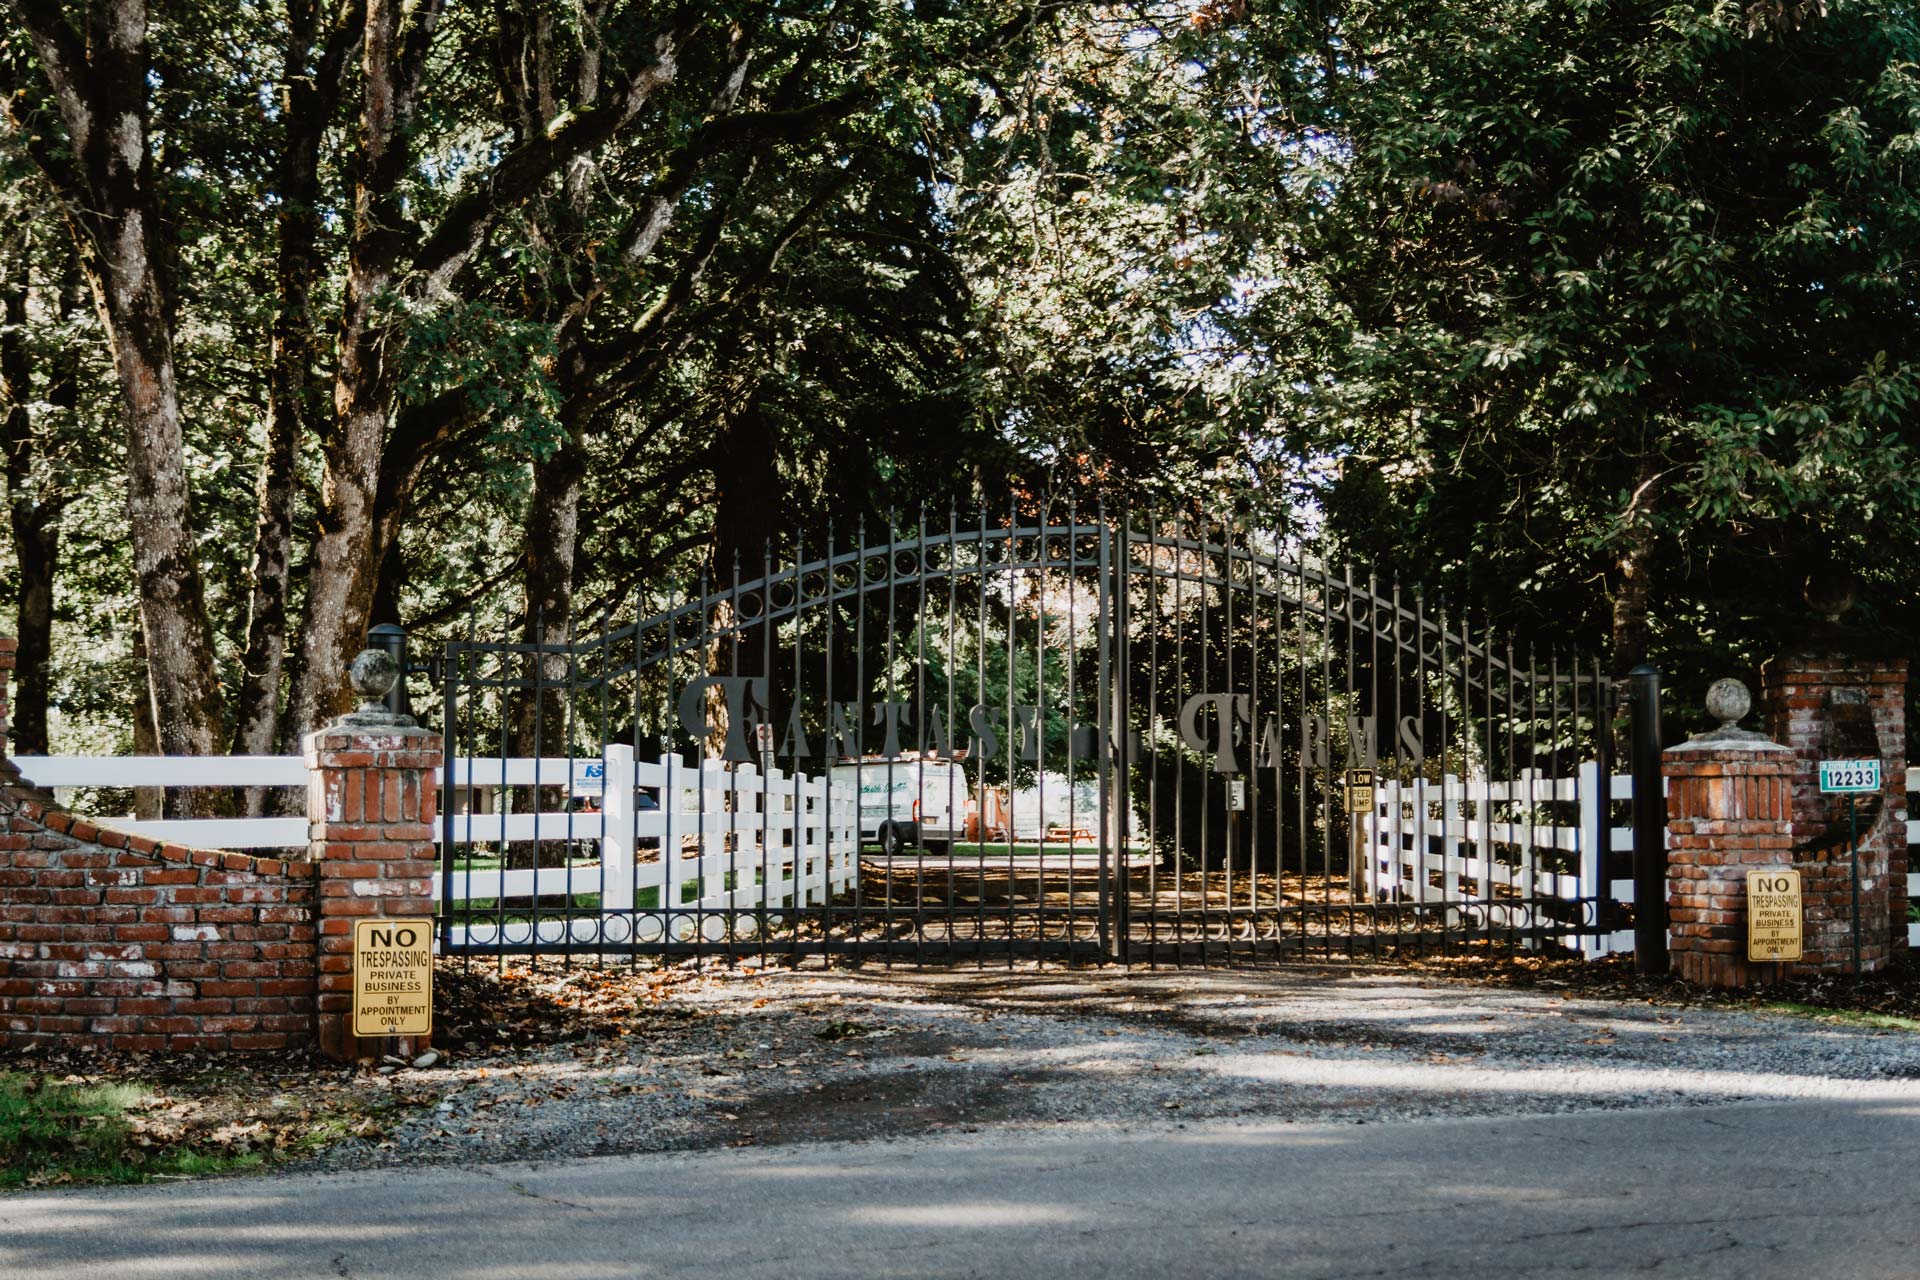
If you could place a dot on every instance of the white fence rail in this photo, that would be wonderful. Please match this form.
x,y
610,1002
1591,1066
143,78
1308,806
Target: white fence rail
x,y
667,835
1444,841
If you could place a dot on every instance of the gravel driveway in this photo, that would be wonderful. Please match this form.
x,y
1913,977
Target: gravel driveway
x,y
782,1057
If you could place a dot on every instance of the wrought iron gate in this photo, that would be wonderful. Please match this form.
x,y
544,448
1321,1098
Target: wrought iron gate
x,y
1063,737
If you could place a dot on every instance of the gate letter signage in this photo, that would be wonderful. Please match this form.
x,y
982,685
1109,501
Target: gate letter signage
x,y
393,977
740,692
1230,709
1773,915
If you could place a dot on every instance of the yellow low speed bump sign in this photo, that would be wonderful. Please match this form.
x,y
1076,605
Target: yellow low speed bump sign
x,y
393,977
1773,915
1359,790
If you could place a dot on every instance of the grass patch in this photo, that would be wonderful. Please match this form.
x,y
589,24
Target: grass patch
x,y
1854,1017
53,1132
141,1118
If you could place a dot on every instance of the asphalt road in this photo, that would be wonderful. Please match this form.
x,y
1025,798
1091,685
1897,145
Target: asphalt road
x,y
1791,1189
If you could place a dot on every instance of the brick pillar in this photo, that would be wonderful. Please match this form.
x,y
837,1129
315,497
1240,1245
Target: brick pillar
x,y
370,812
1729,802
1844,705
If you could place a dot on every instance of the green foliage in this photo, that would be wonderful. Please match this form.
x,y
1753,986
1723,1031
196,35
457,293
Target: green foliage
x,y
1579,270
498,363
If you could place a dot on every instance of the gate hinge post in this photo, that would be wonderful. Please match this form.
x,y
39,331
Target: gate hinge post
x,y
1649,822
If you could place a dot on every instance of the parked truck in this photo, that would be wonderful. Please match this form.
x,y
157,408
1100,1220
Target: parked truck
x,y
908,804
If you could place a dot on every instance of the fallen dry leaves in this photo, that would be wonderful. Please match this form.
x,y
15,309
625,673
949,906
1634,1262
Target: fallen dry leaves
x,y
1893,993
480,1007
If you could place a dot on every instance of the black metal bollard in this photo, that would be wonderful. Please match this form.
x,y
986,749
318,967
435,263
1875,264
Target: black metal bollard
x,y
392,637
1649,823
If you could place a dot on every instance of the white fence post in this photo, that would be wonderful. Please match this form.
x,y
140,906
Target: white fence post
x,y
1594,841
616,835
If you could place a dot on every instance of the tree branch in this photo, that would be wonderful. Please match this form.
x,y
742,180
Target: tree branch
x,y
521,172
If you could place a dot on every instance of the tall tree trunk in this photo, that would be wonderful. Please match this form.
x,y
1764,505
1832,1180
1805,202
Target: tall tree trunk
x,y
552,540
103,179
347,551
1633,597
149,803
31,511
311,89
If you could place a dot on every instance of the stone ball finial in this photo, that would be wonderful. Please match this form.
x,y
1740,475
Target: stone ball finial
x,y
1728,701
373,674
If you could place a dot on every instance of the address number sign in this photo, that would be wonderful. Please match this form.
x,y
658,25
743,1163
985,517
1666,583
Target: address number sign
x,y
1850,776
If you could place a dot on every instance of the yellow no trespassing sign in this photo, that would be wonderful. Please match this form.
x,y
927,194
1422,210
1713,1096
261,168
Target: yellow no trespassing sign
x,y
1773,915
393,977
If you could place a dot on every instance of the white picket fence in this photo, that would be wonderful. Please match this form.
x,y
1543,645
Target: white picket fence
x,y
756,841
1424,832
1439,841
713,839
720,840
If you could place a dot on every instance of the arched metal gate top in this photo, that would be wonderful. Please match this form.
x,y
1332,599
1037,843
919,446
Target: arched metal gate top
x,y
1116,738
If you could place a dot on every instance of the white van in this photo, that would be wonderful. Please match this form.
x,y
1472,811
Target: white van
x,y
908,804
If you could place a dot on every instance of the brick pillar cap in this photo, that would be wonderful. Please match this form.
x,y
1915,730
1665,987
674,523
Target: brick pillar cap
x,y
1733,742
411,740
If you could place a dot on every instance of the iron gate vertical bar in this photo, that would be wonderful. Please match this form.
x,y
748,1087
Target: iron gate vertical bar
x,y
703,665
1422,816
1553,761
1231,820
1153,759
1278,761
1399,778
801,757
1204,767
1649,824
1103,680
952,728
1601,701
920,736
1447,884
831,607
733,794
886,722
449,750
1249,758
1178,639
1073,808
1010,549
1042,518
1330,783
980,771
669,786
1345,809
1123,741
762,925
858,729
1302,758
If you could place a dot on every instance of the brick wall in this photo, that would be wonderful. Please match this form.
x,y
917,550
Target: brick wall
x,y
1830,706
121,942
